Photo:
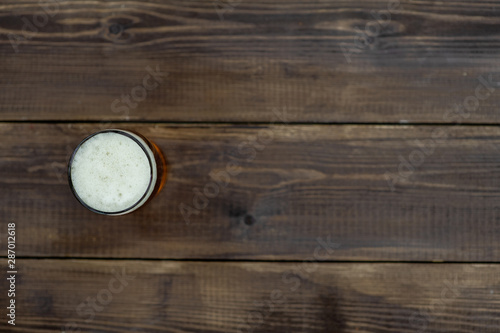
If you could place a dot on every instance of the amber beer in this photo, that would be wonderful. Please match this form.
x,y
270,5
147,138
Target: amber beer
x,y
115,172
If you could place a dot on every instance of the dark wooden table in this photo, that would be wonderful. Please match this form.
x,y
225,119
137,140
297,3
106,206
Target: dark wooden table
x,y
334,166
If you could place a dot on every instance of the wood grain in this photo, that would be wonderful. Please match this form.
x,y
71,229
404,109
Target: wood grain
x,y
176,297
298,184
231,61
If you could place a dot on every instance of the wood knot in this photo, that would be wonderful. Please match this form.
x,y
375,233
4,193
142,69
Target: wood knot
x,y
116,29
249,220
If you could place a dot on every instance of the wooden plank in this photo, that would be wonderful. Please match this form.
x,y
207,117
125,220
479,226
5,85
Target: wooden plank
x,y
294,184
157,296
255,56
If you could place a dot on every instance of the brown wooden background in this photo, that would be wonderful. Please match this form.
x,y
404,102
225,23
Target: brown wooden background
x,y
386,153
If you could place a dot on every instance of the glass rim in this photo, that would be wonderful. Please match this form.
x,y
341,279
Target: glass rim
x,y
127,134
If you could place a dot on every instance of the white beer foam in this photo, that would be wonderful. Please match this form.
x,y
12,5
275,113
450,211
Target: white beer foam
x,y
110,172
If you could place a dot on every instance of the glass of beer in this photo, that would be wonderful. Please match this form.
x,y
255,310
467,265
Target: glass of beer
x,y
114,172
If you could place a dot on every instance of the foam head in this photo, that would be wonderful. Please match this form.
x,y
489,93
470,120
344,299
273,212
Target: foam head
x,y
113,172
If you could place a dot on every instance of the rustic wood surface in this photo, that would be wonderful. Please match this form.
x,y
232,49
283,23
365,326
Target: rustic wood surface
x,y
307,182
349,151
159,296
255,55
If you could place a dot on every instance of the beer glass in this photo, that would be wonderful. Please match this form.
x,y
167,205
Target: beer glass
x,y
114,171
